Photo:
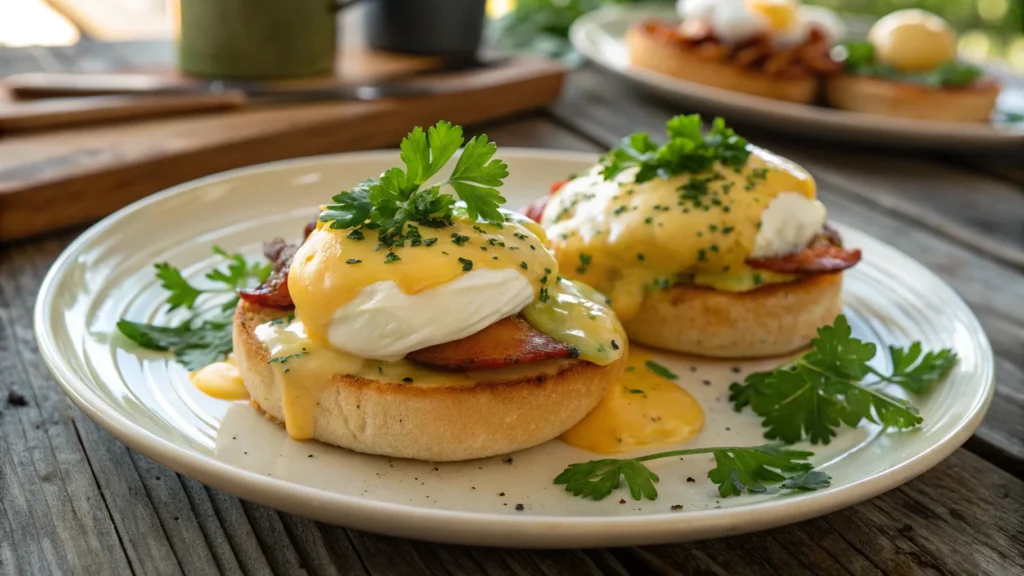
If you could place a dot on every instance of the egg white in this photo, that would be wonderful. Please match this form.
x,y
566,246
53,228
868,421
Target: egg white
x,y
788,224
384,323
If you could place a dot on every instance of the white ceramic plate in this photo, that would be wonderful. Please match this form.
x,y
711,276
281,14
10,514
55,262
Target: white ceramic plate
x,y
599,36
148,403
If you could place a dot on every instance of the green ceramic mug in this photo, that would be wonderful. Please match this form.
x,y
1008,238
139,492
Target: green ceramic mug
x,y
256,38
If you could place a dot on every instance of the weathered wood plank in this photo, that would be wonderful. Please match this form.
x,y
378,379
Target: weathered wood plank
x,y
44,464
176,517
213,532
959,518
239,533
142,537
604,109
277,547
309,543
926,526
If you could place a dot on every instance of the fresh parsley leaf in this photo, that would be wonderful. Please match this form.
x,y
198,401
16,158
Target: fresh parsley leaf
x,y
823,389
738,469
687,150
181,292
237,275
195,343
205,337
395,201
916,372
859,58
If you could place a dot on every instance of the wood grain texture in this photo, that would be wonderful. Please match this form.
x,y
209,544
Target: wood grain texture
x,y
880,195
75,500
67,177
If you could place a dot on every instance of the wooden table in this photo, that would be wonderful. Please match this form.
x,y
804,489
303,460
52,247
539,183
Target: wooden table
x,y
75,500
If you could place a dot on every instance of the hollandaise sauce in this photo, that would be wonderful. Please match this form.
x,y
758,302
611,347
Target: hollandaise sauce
x,y
626,238
643,409
220,380
334,270
334,266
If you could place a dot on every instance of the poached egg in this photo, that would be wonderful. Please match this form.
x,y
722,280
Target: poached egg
x,y
787,22
625,238
913,40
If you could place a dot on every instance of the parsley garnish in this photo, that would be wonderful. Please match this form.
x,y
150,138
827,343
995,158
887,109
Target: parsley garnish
x,y
459,239
391,257
859,58
203,338
660,370
467,265
396,198
687,150
752,469
823,389
353,261
584,262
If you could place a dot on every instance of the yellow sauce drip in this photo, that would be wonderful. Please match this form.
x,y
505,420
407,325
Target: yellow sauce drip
x,y
322,280
220,380
640,410
625,238
578,315
304,367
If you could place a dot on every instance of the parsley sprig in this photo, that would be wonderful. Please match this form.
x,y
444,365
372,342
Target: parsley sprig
x,y
686,151
393,202
205,336
754,469
823,389
859,58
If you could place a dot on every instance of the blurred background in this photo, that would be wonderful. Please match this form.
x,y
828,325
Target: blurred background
x,y
988,28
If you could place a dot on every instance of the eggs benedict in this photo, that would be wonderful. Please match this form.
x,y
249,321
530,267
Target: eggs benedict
x,y
771,48
908,67
704,245
412,324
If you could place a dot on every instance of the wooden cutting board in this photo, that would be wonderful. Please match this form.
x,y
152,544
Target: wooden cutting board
x,y
53,180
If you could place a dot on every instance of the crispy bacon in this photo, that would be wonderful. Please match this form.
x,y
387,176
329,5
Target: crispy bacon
x,y
823,255
274,291
505,343
536,208
811,57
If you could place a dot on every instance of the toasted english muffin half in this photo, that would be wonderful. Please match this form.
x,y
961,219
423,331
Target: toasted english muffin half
x,y
504,410
770,321
973,103
646,51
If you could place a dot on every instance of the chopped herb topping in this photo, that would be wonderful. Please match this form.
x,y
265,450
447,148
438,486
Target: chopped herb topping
x,y
355,234
353,261
391,257
584,263
459,239
660,370
467,265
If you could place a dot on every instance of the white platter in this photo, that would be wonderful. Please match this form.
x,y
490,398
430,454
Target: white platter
x,y
598,35
148,403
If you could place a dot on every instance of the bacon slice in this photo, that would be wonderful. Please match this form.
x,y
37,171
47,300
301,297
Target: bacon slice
x,y
536,208
274,291
507,342
823,255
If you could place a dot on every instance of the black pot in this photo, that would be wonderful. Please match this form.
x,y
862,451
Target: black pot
x,y
448,28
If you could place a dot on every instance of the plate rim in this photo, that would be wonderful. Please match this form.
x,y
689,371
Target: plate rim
x,y
908,131
464,527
